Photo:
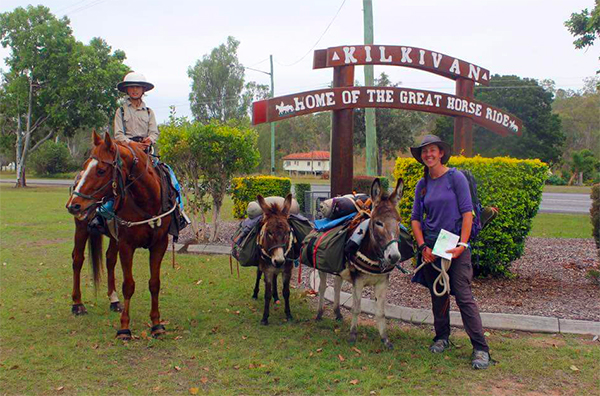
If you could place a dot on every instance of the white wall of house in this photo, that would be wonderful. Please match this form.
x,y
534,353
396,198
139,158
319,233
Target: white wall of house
x,y
306,166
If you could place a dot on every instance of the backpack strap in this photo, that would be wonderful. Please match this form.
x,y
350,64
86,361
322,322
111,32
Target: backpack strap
x,y
123,119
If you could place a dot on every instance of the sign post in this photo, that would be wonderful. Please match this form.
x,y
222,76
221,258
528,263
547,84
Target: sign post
x,y
343,97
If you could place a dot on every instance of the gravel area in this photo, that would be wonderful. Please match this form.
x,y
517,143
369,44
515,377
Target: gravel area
x,y
549,280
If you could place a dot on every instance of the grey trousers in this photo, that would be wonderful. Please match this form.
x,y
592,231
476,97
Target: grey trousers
x,y
461,274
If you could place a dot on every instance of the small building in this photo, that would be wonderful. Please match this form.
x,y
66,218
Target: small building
x,y
314,162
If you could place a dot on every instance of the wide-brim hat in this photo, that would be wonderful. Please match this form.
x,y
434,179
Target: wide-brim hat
x,y
432,139
134,79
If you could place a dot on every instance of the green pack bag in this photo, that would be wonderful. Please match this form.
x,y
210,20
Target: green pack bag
x,y
244,247
301,227
325,250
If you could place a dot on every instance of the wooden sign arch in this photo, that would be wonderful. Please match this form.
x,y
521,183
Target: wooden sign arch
x,y
344,97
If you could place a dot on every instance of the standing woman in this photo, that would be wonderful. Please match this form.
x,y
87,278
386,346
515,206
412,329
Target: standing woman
x,y
443,201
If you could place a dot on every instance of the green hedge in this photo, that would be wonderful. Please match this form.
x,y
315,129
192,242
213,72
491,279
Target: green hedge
x,y
245,190
362,184
300,189
513,186
595,215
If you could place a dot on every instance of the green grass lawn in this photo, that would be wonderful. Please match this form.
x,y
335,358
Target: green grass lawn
x,y
568,189
215,344
561,225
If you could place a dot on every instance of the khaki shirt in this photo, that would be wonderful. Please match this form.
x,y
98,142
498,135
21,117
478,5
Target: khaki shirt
x,y
138,122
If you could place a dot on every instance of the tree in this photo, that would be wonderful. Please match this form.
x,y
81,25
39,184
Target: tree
x,y
579,112
212,154
585,26
542,136
582,165
395,128
218,90
54,83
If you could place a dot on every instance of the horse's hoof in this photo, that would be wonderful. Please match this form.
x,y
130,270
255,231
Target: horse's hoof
x,y
388,345
352,339
157,330
124,335
339,317
289,318
264,322
116,306
78,309
319,317
255,297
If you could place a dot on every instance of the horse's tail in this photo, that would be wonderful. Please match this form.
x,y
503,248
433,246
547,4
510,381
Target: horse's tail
x,y
95,256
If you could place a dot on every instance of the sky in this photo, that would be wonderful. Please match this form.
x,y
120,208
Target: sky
x,y
162,39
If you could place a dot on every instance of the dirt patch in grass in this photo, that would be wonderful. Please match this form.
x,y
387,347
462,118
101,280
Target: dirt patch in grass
x,y
510,387
47,242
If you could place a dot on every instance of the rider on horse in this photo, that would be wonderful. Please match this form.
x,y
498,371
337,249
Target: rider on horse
x,y
135,122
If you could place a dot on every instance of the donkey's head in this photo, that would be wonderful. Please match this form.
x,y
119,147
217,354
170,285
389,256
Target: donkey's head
x,y
384,225
275,238
95,181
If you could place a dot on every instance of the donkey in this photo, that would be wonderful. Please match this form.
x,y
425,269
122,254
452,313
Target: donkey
x,y
275,243
375,259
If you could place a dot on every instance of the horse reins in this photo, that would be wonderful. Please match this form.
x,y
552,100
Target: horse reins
x,y
267,253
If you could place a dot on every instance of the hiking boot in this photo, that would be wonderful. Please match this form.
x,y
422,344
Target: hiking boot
x,y
439,346
480,360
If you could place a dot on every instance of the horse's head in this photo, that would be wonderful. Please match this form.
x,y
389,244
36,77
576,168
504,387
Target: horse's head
x,y
275,238
95,181
385,223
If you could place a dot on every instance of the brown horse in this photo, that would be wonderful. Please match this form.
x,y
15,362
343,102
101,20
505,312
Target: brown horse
x,y
124,173
275,242
376,258
81,237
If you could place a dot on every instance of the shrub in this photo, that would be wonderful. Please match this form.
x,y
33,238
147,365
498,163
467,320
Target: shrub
x,y
300,189
555,180
51,158
595,215
245,190
513,186
362,184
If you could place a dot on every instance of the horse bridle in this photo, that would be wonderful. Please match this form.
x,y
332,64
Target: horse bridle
x,y
266,254
117,178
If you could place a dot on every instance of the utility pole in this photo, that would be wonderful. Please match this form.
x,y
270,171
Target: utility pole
x,y
272,124
370,125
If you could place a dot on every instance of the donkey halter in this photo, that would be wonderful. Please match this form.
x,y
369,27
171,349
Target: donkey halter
x,y
267,253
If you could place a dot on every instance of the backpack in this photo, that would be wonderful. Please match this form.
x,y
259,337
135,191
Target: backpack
x,y
479,221
476,227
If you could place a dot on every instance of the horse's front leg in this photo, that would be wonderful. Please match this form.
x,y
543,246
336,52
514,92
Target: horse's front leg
x,y
268,272
380,295
257,283
126,256
357,288
274,291
81,236
287,276
111,261
157,253
337,289
322,288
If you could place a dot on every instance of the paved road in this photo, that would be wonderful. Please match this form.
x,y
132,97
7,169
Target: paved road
x,y
551,202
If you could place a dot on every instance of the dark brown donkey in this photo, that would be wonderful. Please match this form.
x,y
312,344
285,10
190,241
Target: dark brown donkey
x,y
275,242
124,172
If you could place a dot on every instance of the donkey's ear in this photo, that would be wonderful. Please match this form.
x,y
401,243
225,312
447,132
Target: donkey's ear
x,y
397,194
96,138
263,204
287,204
376,191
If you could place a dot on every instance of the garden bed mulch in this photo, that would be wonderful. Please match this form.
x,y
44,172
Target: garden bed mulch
x,y
549,280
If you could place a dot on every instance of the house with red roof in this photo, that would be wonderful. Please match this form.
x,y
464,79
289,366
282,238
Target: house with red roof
x,y
314,162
